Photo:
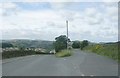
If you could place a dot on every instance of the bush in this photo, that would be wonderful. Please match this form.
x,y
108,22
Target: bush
x,y
64,53
76,44
83,44
96,48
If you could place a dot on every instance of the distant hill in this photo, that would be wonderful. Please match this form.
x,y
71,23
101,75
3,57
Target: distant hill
x,y
30,43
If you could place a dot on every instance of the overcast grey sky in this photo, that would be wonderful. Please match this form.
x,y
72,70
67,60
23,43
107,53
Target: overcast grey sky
x,y
94,21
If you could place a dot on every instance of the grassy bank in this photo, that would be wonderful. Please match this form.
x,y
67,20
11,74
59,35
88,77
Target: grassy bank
x,y
64,53
110,50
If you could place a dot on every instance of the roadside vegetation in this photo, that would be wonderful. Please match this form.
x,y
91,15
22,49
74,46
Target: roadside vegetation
x,y
61,46
106,49
64,53
81,45
18,53
60,43
76,44
11,54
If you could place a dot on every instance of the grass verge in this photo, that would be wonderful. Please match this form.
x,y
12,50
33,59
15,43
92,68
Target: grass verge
x,y
109,50
64,53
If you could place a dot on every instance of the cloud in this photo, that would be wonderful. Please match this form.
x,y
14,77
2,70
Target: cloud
x,y
8,8
110,1
59,0
58,5
90,12
8,5
112,11
91,23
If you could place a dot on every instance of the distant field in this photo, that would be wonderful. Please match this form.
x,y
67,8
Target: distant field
x,y
110,50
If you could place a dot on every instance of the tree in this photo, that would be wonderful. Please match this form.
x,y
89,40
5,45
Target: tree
x,y
76,44
83,44
60,43
6,45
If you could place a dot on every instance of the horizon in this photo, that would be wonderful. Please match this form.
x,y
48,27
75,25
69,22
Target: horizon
x,y
54,40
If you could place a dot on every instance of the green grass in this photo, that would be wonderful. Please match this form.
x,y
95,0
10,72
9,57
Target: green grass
x,y
64,53
109,50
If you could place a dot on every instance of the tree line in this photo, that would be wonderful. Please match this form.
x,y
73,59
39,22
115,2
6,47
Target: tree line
x,y
81,45
61,43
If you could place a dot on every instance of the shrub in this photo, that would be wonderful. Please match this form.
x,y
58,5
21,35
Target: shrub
x,y
76,44
83,44
96,48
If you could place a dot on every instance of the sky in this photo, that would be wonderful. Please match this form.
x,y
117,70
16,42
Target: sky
x,y
93,21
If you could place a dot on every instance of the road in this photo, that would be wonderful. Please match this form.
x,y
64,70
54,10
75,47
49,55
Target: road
x,y
79,64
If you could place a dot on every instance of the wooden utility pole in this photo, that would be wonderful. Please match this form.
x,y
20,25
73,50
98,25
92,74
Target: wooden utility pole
x,y
67,32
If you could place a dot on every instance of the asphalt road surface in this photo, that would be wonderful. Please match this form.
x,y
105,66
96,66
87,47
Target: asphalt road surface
x,y
79,64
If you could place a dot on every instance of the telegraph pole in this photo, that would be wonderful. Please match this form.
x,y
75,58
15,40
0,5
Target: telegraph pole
x,y
67,32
